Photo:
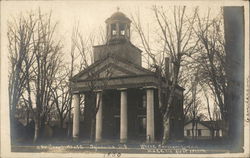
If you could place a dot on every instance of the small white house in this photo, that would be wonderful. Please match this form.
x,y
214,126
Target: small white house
x,y
202,130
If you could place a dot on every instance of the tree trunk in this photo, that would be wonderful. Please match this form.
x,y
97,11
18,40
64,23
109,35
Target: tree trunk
x,y
69,132
37,130
42,123
193,124
28,117
167,112
61,122
166,130
196,130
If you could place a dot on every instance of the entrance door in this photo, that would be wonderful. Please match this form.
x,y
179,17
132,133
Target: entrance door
x,y
172,129
141,126
116,127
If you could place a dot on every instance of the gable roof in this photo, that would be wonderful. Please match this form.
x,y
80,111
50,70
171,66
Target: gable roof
x,y
213,124
208,124
119,66
199,123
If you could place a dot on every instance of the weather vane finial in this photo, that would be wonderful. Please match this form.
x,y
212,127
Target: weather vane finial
x,y
118,8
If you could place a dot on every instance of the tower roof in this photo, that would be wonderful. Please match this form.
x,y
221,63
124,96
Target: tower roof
x,y
118,16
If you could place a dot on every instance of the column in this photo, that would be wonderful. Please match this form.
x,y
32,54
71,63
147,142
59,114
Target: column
x,y
98,125
123,117
150,115
76,119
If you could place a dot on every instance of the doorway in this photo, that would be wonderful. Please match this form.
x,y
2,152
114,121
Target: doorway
x,y
116,131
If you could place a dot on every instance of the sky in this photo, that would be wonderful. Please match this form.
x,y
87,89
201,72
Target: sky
x,y
90,15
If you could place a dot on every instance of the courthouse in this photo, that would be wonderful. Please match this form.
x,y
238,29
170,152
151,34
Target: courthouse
x,y
124,92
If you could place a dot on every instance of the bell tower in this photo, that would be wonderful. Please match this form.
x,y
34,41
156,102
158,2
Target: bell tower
x,y
118,27
118,42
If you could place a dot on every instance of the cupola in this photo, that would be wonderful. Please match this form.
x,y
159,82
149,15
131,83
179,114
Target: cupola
x,y
118,27
118,43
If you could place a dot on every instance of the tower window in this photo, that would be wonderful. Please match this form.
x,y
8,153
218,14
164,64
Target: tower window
x,y
113,29
122,29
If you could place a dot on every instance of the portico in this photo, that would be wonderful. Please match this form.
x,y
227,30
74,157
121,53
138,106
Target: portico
x,y
122,106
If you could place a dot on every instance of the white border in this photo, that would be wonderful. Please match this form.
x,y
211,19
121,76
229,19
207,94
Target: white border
x,y
4,111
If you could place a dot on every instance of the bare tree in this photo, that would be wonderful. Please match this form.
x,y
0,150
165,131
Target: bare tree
x,y
35,59
47,62
62,97
189,80
211,59
194,106
20,33
176,38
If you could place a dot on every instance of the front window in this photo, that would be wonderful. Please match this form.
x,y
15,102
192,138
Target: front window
x,y
142,104
144,100
116,125
217,133
199,132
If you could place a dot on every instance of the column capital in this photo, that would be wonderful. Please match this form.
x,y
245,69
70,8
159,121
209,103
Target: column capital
x,y
98,90
122,89
75,92
149,87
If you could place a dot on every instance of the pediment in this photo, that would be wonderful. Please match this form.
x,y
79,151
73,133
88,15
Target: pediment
x,y
111,67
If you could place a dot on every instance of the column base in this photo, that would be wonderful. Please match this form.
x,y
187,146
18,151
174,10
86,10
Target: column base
x,y
123,140
98,140
150,140
75,139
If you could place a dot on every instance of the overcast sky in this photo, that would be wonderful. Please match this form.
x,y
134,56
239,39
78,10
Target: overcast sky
x,y
90,15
